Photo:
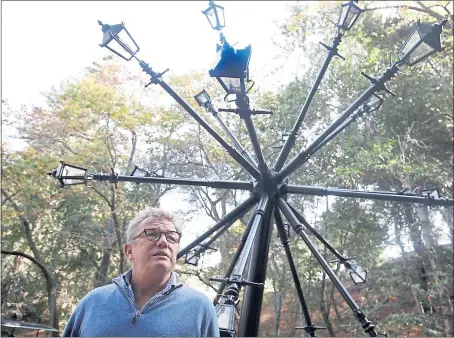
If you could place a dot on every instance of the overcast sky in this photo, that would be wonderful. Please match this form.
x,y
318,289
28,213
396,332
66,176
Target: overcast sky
x,y
46,42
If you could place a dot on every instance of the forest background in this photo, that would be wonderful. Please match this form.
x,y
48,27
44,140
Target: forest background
x,y
105,119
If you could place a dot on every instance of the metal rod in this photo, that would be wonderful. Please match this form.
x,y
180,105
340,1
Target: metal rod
x,y
219,233
263,168
235,258
219,184
296,225
292,137
316,234
232,151
257,216
230,217
253,295
299,290
235,142
304,155
338,130
383,196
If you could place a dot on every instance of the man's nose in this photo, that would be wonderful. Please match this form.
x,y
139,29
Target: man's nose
x,y
162,241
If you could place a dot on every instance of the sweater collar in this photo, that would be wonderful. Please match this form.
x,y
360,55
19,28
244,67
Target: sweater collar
x,y
124,280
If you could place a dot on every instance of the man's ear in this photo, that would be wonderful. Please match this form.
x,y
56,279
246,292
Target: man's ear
x,y
128,251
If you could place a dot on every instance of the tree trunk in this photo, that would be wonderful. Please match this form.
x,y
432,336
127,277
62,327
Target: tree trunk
x,y
323,310
427,231
117,226
277,312
418,245
447,216
101,274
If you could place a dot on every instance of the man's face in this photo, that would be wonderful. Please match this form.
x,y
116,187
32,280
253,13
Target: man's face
x,y
159,256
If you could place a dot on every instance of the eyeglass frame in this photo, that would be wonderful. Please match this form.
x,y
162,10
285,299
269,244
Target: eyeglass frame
x,y
160,234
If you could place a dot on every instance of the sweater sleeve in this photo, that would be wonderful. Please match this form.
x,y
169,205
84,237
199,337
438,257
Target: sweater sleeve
x,y
211,323
72,328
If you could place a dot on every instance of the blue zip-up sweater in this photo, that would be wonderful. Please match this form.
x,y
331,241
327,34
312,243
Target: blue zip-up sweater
x,y
178,310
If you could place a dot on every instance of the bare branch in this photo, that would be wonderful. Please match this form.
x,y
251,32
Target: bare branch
x,y
199,276
6,199
102,195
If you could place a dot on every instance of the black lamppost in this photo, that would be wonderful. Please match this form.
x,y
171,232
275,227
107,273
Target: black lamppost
x,y
268,187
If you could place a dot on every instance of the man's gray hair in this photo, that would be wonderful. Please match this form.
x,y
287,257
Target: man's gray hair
x,y
146,213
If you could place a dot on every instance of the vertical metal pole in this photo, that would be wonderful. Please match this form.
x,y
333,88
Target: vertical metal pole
x,y
253,295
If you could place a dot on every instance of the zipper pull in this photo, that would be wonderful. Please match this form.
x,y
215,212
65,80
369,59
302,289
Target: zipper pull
x,y
134,319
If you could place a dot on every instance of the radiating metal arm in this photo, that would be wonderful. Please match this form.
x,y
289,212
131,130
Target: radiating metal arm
x,y
229,218
217,184
316,234
304,155
235,142
263,168
368,327
292,137
338,130
310,328
383,196
156,78
206,245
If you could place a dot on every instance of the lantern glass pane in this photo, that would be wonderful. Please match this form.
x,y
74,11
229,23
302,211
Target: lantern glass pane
x,y
422,51
221,17
106,37
192,258
139,172
59,171
374,102
70,171
411,42
348,19
115,47
127,40
232,83
358,274
434,194
226,316
343,13
211,15
202,98
78,173
348,15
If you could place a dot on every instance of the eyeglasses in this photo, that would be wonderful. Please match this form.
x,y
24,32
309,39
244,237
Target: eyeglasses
x,y
153,235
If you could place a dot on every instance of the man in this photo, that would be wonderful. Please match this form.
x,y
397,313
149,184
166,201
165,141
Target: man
x,y
147,300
